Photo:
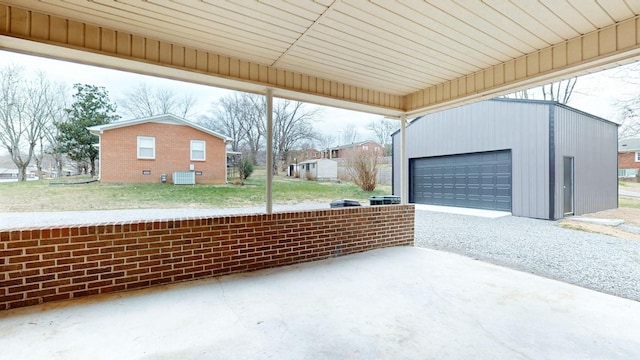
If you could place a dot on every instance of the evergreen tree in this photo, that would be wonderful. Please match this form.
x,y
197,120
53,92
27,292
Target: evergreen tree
x,y
91,106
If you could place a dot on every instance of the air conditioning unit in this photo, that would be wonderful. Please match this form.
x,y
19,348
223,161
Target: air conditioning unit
x,y
184,178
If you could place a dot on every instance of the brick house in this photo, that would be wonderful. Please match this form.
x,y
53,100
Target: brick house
x,y
628,158
312,154
344,151
151,149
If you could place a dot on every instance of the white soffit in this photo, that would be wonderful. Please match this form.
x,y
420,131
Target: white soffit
x,y
396,47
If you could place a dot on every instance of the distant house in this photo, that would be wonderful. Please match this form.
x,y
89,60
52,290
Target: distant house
x,y
154,149
312,154
6,174
318,169
628,158
11,174
341,152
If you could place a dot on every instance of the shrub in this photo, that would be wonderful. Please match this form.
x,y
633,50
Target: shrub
x,y
245,169
309,176
362,168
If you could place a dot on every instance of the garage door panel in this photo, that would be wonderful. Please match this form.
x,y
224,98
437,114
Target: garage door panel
x,y
481,180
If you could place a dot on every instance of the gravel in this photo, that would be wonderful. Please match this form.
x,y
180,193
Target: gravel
x,y
599,262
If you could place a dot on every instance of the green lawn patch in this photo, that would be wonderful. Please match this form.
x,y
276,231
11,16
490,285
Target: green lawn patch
x,y
628,202
41,196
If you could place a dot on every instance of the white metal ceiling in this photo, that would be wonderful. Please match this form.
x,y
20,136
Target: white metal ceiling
x,y
398,46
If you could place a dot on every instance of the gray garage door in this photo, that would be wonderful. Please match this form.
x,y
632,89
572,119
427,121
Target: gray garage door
x,y
480,180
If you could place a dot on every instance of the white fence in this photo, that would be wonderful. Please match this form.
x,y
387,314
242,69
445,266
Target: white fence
x,y
383,177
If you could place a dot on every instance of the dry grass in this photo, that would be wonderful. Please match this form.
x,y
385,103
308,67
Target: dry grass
x,y
628,210
41,196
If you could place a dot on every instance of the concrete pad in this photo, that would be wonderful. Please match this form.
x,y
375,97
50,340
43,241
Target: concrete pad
x,y
394,303
492,214
608,222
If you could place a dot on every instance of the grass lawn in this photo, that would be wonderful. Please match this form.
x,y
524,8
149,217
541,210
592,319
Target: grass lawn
x,y
44,196
629,202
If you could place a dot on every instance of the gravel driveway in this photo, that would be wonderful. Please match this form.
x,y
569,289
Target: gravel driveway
x,y
599,262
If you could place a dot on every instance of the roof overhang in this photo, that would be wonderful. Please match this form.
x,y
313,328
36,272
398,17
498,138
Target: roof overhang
x,y
388,58
161,119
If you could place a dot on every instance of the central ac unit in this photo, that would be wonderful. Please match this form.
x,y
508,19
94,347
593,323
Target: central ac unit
x,y
184,178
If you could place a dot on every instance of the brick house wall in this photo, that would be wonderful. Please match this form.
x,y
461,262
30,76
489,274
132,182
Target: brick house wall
x,y
119,158
627,160
368,147
343,152
59,263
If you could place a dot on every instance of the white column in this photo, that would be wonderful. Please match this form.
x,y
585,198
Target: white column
x,y
269,208
404,195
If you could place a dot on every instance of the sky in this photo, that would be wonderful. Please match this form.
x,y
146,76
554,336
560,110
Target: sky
x,y
118,83
596,93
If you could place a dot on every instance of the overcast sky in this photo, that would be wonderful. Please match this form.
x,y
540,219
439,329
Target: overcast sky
x,y
118,83
596,93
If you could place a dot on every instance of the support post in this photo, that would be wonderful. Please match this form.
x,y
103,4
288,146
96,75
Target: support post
x,y
403,161
269,186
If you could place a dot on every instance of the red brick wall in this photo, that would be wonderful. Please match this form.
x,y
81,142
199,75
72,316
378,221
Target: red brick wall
x,y
49,264
628,161
371,146
119,154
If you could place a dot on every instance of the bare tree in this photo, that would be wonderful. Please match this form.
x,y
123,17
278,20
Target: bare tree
x,y
629,108
47,140
24,114
225,119
252,110
239,116
350,134
630,118
143,102
383,129
292,124
559,91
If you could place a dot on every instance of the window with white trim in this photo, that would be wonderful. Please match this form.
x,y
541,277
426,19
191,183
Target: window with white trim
x,y
198,150
637,156
365,147
146,147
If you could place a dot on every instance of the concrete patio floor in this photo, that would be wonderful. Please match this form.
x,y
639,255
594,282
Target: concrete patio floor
x,y
394,303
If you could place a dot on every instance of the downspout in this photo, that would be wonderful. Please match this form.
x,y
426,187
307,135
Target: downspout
x,y
99,156
269,207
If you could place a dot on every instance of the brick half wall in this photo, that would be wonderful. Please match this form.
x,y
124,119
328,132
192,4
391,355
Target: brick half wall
x,y
58,263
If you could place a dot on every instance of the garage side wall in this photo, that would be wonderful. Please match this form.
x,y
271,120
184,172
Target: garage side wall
x,y
593,144
522,127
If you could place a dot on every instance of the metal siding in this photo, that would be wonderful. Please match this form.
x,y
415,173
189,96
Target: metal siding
x,y
593,144
489,126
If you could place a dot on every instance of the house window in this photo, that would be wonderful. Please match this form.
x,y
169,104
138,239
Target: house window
x,y
146,147
637,156
198,150
365,147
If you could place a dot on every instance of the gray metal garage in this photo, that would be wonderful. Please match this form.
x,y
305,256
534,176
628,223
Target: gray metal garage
x,y
506,154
